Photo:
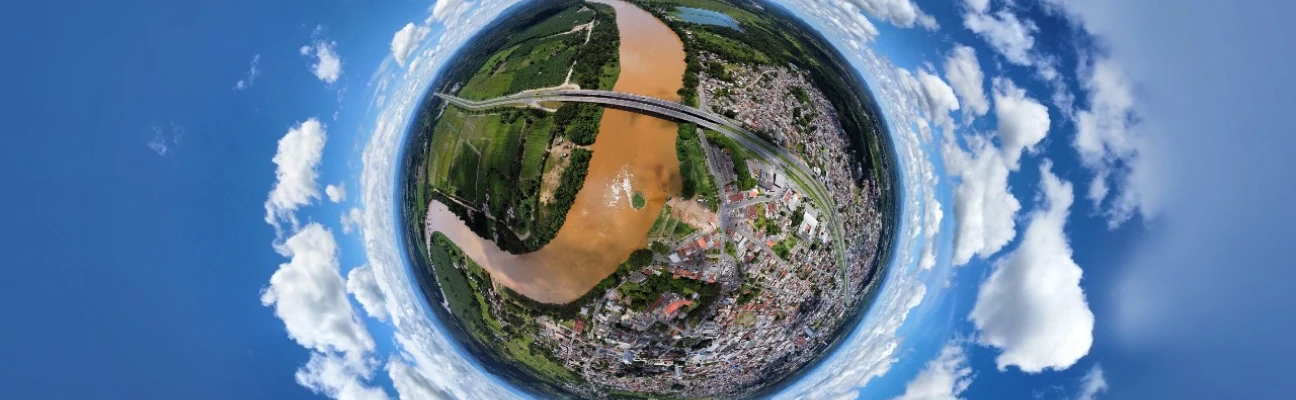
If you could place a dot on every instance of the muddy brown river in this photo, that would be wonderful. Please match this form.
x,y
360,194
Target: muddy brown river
x,y
632,153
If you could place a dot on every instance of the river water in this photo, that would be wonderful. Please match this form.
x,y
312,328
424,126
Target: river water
x,y
632,153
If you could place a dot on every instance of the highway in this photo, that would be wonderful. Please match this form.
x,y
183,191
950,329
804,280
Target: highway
x,y
791,165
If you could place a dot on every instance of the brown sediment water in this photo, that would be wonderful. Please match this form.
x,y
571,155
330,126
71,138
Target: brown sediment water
x,y
632,153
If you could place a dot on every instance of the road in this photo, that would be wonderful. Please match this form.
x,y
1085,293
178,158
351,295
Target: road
x,y
796,170
748,202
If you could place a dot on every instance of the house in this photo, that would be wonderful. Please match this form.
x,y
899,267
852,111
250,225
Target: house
x,y
674,307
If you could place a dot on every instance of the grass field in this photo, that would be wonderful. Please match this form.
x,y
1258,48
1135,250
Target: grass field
x,y
732,49
495,164
560,23
540,56
693,168
537,145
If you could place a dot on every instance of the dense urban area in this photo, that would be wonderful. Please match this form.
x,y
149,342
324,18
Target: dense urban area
x,y
749,274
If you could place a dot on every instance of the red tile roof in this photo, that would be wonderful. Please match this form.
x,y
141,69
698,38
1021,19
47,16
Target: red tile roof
x,y
675,306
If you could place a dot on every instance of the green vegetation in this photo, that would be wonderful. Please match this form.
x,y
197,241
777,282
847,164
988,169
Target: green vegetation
x,y
695,177
598,63
536,142
535,63
801,95
688,93
682,230
798,216
488,167
466,285
493,161
784,248
639,296
747,294
730,249
637,201
579,122
558,24
765,225
573,178
663,218
742,175
638,260
729,49
544,54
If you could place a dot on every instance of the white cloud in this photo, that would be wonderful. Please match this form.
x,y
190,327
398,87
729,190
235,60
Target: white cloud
x,y
1023,121
937,97
944,378
964,73
859,27
360,283
339,378
250,76
984,207
412,385
164,139
421,346
295,161
1111,147
1092,384
350,219
327,65
1009,36
977,6
309,295
406,40
1032,307
442,10
902,13
336,194
158,145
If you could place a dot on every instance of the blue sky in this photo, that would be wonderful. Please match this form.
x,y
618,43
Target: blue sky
x,y
201,200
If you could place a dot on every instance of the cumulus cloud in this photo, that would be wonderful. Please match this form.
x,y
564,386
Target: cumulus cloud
x,y
327,66
1009,36
856,25
406,40
336,194
250,76
944,378
984,207
426,362
350,219
1112,148
295,162
1092,384
339,378
1032,307
964,74
1023,121
902,13
360,283
446,11
411,384
936,97
309,295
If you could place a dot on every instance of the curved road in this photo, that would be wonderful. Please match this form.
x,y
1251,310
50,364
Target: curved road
x,y
791,165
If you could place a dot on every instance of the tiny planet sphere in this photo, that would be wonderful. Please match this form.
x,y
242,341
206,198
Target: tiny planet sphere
x,y
648,198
